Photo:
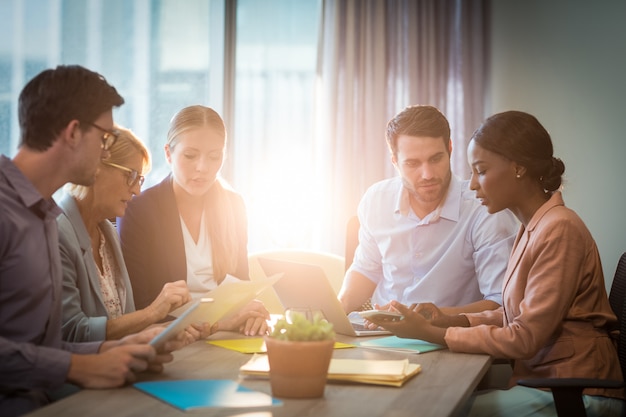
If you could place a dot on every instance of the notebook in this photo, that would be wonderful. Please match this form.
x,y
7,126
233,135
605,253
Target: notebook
x,y
193,395
306,286
397,344
366,371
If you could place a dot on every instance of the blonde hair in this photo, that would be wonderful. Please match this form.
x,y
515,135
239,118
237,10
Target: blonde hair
x,y
123,150
219,207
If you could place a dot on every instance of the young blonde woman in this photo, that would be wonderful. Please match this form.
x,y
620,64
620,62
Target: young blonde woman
x,y
97,294
191,226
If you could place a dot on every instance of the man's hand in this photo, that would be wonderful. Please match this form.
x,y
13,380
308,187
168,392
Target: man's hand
x,y
112,368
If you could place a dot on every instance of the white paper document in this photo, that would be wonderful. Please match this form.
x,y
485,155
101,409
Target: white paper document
x,y
226,299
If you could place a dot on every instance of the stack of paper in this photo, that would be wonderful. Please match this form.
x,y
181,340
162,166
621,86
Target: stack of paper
x,y
367,371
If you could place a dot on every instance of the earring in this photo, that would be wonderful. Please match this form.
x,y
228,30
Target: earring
x,y
518,176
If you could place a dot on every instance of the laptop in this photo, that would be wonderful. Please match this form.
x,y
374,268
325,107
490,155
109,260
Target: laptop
x,y
306,286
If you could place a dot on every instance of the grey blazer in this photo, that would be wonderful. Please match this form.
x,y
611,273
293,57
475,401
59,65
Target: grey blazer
x,y
84,314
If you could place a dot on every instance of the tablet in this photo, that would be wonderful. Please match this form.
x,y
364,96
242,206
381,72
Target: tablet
x,y
196,313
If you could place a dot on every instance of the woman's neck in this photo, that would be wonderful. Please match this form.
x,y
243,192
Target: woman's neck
x,y
90,214
529,206
190,209
186,201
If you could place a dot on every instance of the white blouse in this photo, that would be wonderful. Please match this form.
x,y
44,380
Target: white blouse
x,y
113,295
200,277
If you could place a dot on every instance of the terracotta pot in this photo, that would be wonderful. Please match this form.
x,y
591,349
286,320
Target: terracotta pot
x,y
298,369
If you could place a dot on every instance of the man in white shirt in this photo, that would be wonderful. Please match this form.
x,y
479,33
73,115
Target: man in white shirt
x,y
423,235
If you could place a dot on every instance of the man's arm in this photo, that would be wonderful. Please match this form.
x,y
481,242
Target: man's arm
x,y
475,307
355,290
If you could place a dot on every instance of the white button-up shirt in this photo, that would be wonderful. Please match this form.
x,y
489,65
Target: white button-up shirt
x,y
454,256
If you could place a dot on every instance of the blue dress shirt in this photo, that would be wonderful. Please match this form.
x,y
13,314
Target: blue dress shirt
x,y
454,256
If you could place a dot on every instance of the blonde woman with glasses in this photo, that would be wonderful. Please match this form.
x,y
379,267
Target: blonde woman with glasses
x,y
97,295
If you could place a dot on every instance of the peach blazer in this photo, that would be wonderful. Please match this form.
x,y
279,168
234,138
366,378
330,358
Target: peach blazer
x,y
555,312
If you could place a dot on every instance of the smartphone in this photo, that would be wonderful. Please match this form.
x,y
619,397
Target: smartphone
x,y
381,315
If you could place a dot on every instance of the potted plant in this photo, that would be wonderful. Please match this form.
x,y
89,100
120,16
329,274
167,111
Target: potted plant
x,y
299,352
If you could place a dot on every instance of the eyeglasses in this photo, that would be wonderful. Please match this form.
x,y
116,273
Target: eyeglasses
x,y
109,137
133,176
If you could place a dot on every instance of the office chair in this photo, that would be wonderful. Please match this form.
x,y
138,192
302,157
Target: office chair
x,y
567,392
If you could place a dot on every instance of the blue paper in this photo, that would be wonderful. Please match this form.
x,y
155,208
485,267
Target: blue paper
x,y
400,344
206,393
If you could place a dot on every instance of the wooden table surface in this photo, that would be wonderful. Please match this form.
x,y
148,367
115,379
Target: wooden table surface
x,y
446,381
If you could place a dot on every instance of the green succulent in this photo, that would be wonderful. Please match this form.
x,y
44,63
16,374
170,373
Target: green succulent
x,y
302,329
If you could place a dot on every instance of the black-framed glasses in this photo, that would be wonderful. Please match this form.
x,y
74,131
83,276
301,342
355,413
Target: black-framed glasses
x,y
133,176
109,137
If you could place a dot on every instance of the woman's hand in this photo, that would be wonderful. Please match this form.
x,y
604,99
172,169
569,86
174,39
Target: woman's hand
x,y
428,310
173,295
251,320
414,325
198,331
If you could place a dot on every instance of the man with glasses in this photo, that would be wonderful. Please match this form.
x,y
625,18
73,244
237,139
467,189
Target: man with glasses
x,y
66,122
109,137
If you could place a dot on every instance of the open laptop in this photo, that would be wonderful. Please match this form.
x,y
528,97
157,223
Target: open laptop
x,y
306,286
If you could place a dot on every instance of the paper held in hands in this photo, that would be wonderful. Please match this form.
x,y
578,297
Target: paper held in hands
x,y
230,296
366,371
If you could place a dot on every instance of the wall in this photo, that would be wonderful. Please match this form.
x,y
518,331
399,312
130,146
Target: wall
x,y
564,61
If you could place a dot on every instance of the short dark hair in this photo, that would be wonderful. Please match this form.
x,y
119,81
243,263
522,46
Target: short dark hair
x,y
418,120
519,137
55,97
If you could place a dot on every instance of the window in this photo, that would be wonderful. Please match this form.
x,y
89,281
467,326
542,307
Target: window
x,y
163,55
273,132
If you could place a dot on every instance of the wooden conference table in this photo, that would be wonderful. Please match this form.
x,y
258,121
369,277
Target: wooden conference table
x,y
446,381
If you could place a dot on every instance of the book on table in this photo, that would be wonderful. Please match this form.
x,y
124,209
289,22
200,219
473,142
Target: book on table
x,y
398,344
366,371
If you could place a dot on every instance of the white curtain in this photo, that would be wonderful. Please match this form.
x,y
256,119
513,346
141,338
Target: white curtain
x,y
375,58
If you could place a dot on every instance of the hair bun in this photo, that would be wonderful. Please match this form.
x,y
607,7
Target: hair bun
x,y
551,180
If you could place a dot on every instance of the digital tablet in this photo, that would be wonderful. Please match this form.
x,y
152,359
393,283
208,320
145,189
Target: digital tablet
x,y
196,313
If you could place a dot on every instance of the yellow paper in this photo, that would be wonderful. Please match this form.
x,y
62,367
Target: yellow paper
x,y
230,296
256,344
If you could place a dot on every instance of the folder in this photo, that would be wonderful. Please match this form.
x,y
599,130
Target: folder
x,y
365,371
190,395
398,344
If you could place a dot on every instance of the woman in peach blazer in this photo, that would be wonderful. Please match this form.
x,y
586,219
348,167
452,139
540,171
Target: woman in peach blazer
x,y
555,318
